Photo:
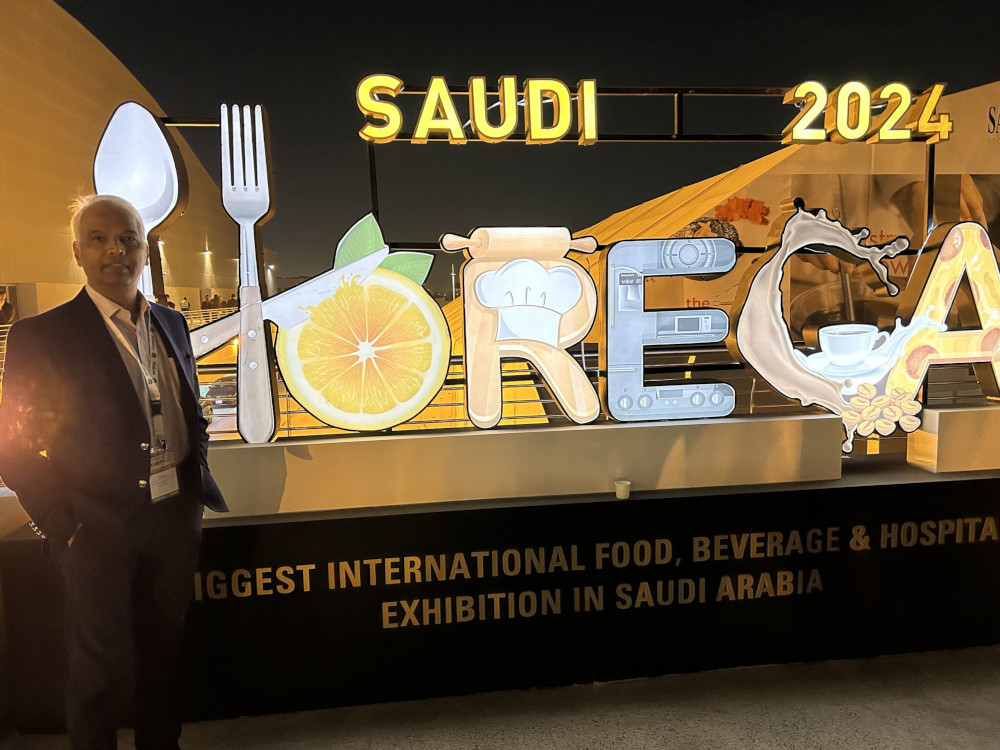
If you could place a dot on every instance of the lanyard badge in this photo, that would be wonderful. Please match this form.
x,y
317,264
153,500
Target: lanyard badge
x,y
163,481
162,464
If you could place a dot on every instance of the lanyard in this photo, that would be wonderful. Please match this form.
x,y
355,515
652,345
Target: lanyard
x,y
150,373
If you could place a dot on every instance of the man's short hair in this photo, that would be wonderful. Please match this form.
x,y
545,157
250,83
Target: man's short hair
x,y
79,206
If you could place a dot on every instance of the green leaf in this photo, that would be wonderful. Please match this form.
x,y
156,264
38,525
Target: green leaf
x,y
362,239
414,266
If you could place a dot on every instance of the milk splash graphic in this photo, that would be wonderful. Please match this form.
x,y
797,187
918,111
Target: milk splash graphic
x,y
857,374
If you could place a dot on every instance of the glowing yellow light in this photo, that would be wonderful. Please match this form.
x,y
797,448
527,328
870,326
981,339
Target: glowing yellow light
x,y
536,91
898,101
388,118
851,116
937,126
811,97
438,115
479,108
852,112
586,111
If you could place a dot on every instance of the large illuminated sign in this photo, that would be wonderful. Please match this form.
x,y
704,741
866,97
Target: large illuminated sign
x,y
548,107
363,347
369,349
853,112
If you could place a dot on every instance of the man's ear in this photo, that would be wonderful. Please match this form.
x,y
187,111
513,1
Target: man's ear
x,y
76,252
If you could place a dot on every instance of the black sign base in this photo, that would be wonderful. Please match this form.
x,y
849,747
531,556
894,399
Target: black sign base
x,y
293,614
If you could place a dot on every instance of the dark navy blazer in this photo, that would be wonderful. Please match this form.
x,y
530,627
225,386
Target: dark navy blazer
x,y
74,440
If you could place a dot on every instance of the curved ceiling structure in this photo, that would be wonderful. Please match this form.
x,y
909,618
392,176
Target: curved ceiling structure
x,y
59,87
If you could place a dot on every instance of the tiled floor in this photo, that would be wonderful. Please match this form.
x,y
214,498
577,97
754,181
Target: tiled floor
x,y
947,699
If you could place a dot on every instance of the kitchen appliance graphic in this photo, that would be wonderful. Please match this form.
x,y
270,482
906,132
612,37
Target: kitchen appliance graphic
x,y
630,328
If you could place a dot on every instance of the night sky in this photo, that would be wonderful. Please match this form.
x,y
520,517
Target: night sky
x,y
303,61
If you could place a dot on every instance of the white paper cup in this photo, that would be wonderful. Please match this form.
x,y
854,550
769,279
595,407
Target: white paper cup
x,y
622,488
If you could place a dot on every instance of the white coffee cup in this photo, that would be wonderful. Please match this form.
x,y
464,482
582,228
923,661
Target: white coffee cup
x,y
847,344
622,488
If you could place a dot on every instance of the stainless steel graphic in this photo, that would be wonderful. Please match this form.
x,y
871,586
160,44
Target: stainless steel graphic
x,y
631,328
706,325
688,401
687,254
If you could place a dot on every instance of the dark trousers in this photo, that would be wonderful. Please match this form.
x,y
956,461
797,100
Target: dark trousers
x,y
128,589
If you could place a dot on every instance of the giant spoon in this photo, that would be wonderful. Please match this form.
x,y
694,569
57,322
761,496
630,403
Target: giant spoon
x,y
139,161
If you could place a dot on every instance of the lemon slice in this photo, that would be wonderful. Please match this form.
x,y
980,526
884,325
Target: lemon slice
x,y
370,356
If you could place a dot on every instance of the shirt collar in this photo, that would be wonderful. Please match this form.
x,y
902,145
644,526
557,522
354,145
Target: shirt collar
x,y
110,309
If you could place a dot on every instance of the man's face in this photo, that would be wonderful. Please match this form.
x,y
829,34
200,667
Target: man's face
x,y
111,249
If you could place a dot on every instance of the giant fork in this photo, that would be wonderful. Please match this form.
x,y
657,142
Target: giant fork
x,y
246,197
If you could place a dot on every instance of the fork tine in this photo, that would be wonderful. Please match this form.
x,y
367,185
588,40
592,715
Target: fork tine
x,y
248,160
239,181
262,175
227,178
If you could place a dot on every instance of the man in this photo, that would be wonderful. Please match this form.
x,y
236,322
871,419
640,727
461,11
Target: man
x,y
7,311
103,441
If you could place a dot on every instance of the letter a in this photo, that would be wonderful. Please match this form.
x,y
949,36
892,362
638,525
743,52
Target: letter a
x,y
966,250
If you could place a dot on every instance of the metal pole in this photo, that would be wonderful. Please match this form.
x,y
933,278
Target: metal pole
x,y
372,179
929,179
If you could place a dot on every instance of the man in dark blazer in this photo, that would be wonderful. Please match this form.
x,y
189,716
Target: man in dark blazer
x,y
103,441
